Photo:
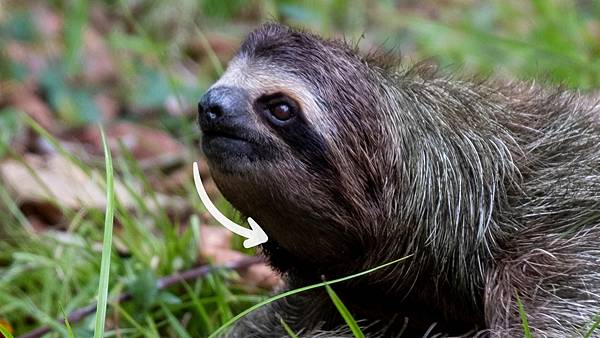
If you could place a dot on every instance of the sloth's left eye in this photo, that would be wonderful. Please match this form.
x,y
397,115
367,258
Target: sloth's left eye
x,y
279,109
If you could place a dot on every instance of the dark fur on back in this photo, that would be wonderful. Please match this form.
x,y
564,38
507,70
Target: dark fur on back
x,y
494,189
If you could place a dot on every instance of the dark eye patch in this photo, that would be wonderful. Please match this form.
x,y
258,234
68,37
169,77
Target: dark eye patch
x,y
291,126
278,109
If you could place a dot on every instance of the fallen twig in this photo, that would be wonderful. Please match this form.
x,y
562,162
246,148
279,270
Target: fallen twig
x,y
163,283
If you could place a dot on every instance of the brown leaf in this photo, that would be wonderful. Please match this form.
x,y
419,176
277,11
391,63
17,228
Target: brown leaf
x,y
109,108
61,181
146,143
41,214
261,275
100,19
175,107
175,181
35,60
222,45
24,99
58,181
215,245
179,178
37,224
48,23
98,64
152,147
214,238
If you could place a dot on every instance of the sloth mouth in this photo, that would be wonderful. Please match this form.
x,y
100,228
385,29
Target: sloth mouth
x,y
235,149
227,149
225,143
223,134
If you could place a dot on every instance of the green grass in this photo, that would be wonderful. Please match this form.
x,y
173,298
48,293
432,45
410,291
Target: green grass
x,y
300,290
343,310
593,327
523,315
68,326
288,329
106,241
156,247
4,331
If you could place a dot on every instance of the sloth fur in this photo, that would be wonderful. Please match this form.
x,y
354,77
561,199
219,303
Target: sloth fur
x,y
492,189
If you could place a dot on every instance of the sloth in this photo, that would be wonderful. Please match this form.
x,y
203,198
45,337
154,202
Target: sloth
x,y
349,160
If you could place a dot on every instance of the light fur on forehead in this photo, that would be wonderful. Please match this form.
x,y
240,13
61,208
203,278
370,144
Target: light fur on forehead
x,y
260,78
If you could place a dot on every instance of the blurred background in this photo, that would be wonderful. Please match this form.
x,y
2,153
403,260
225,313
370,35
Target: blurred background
x,y
138,68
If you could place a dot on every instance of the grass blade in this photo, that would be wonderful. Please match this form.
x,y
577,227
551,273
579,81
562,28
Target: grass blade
x,y
129,318
356,331
179,329
299,290
68,325
524,321
593,328
288,329
4,331
107,241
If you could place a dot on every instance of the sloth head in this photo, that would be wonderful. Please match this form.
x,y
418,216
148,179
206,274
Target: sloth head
x,y
293,135
341,158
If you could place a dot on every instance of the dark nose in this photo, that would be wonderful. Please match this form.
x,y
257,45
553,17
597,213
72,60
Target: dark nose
x,y
220,105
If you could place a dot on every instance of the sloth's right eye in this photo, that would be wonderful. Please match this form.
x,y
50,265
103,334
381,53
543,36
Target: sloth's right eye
x,y
278,109
281,111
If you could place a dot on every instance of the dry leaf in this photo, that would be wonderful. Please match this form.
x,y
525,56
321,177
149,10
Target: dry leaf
x,y
152,147
48,23
214,238
98,64
24,99
145,143
41,214
65,184
179,178
100,19
109,108
215,245
35,60
221,44
37,224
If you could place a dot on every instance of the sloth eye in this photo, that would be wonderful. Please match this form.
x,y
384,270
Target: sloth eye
x,y
281,111
278,109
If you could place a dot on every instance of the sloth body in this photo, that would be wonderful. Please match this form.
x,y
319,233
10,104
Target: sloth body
x,y
348,163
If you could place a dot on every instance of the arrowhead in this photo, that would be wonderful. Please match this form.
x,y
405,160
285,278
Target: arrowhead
x,y
258,235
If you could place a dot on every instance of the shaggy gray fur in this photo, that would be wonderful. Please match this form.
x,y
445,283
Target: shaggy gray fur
x,y
493,188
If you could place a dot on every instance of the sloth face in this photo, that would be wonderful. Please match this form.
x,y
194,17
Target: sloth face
x,y
287,131
243,128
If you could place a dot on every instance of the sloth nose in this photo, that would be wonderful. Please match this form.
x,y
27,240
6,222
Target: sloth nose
x,y
221,104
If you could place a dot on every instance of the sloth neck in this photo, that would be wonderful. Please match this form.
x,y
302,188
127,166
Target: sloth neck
x,y
415,288
399,291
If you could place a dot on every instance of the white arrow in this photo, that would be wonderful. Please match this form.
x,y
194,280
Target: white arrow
x,y
255,236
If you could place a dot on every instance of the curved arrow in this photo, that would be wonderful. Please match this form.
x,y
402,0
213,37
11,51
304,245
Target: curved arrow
x,y
255,235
